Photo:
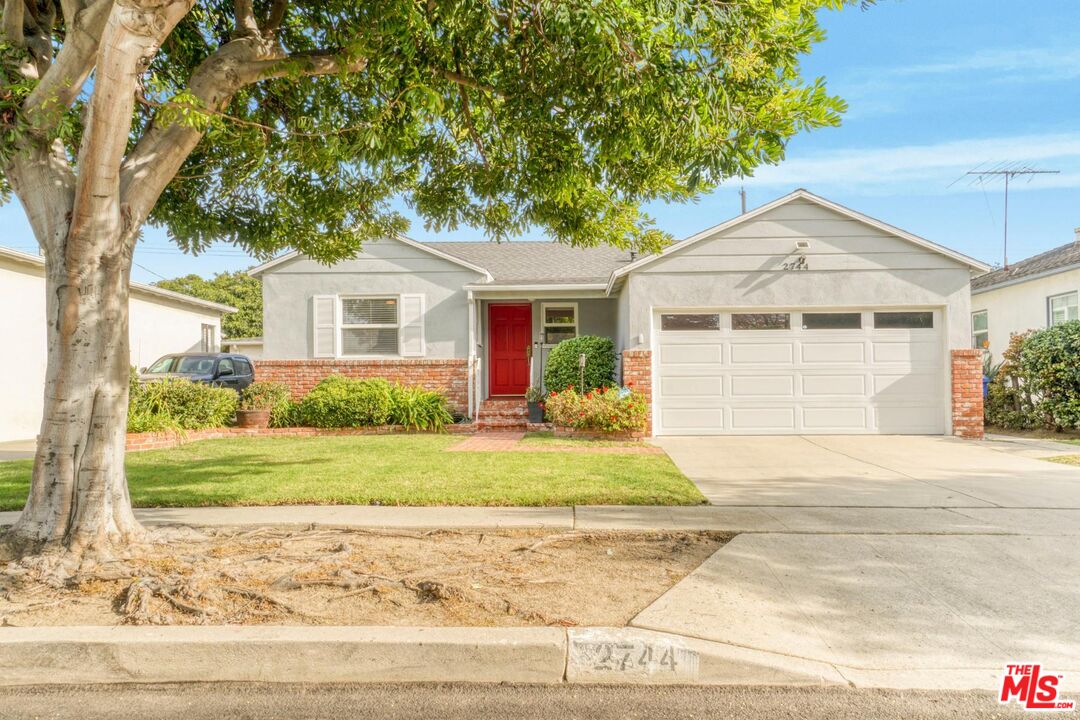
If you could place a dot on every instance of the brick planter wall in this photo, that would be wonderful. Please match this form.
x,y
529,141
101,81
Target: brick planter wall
x,y
967,393
451,376
637,374
161,440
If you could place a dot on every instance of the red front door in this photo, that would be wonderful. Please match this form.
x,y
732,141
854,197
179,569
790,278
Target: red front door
x,y
509,341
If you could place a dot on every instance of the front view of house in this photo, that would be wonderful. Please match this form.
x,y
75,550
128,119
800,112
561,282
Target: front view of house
x,y
801,316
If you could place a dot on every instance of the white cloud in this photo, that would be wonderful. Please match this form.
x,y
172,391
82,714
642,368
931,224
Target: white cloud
x,y
1035,64
928,167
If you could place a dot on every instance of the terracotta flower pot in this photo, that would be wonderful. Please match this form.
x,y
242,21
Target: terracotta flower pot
x,y
253,418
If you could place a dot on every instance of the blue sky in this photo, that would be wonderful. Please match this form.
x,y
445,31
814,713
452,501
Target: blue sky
x,y
934,87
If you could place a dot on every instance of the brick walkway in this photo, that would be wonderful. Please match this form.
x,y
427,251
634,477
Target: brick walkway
x,y
489,442
511,442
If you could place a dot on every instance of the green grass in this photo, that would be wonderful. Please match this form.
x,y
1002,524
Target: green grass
x,y
1066,459
388,470
547,439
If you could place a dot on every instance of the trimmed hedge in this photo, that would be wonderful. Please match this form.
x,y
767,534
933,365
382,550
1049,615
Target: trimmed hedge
x,y
179,404
340,402
563,371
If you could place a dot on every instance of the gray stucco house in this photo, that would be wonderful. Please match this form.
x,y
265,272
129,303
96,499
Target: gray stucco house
x,y
801,316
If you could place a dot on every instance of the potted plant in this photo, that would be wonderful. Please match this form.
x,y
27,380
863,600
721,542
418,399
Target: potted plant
x,y
257,400
533,397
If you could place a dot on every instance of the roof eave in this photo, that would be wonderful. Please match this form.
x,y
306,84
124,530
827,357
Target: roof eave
x,y
1027,278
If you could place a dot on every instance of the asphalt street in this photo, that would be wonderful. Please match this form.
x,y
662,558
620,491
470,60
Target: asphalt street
x,y
471,702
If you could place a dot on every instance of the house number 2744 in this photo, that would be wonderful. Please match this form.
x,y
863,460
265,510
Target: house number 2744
x,y
799,264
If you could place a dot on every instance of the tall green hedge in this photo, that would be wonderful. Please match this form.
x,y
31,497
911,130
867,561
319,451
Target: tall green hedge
x,y
179,404
1038,384
563,370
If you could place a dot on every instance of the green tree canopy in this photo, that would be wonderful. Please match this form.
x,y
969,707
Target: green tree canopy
x,y
237,289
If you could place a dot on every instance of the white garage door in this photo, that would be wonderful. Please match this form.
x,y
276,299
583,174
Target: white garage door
x,y
777,371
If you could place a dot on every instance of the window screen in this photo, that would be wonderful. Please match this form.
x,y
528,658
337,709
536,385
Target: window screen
x,y
903,320
690,321
369,341
831,321
760,321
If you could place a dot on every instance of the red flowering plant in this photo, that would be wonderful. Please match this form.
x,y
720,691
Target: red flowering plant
x,y
610,409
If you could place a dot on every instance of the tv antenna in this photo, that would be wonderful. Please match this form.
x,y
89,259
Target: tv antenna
x,y
1007,170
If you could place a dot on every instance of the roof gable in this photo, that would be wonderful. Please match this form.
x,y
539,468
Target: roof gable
x,y
423,247
798,195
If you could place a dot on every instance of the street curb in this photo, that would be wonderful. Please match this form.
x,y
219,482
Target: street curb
x,y
322,654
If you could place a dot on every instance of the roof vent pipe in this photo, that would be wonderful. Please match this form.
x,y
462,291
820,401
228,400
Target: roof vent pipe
x,y
1076,235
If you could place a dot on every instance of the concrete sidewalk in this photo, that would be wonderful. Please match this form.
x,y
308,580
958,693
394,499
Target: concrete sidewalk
x,y
799,520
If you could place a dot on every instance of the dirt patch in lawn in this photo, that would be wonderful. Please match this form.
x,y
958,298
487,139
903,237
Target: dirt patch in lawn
x,y
369,577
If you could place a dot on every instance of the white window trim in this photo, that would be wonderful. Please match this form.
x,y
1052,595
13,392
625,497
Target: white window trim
x,y
1050,306
976,333
544,325
342,326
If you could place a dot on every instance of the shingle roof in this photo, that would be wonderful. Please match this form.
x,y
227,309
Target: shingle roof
x,y
519,262
1059,258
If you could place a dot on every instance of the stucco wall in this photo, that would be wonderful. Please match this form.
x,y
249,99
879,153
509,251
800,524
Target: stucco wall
x,y
156,328
848,264
387,266
1021,307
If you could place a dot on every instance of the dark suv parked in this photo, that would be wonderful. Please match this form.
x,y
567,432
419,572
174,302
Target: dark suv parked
x,y
221,369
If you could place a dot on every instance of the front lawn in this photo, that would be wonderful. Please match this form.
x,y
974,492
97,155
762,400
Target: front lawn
x,y
384,470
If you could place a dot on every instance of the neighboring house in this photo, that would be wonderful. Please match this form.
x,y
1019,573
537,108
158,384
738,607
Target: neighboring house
x,y
252,347
1029,295
161,322
801,316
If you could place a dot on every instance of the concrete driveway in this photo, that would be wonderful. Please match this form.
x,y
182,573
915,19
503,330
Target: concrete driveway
x,y
873,471
922,562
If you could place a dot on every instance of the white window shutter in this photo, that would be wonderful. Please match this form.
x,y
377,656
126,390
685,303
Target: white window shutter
x,y
324,325
411,321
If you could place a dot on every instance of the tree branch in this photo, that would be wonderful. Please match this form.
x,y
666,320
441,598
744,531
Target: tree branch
x,y
65,78
245,19
13,22
162,150
131,35
276,17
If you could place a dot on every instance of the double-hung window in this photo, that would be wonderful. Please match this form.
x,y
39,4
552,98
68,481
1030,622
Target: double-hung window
x,y
980,330
1062,308
560,322
369,325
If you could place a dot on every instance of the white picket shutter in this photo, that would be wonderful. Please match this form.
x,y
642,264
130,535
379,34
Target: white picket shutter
x,y
411,326
324,325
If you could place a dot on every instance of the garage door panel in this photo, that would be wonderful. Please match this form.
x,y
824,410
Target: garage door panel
x,y
762,386
691,386
763,419
817,352
903,386
753,353
836,419
851,385
697,419
914,353
910,419
683,354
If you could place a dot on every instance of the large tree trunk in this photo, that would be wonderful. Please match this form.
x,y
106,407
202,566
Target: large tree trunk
x,y
79,504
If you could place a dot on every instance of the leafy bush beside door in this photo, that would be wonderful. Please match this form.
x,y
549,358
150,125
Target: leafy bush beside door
x,y
563,370
1038,384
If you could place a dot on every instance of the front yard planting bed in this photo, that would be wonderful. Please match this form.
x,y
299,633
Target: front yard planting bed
x,y
383,470
326,576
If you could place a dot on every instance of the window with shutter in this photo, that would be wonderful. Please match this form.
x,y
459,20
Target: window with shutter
x,y
369,326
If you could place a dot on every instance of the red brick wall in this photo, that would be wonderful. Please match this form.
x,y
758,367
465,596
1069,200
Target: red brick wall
x,y
450,376
967,394
637,374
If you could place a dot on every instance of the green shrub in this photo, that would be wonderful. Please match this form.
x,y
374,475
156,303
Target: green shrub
x,y
179,404
1049,369
288,414
609,409
419,409
340,402
563,371
272,396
